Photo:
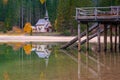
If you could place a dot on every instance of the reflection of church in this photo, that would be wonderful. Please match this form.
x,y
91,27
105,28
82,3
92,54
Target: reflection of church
x,y
41,50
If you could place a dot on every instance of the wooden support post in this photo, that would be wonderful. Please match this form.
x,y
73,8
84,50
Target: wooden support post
x,y
79,38
105,37
111,41
98,33
115,38
119,38
87,37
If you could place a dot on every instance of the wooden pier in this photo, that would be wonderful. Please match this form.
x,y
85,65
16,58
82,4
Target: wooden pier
x,y
104,19
99,14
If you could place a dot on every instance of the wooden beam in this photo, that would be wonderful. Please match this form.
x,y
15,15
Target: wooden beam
x,y
105,37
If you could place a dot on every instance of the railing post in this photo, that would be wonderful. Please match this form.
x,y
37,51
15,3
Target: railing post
x,y
95,12
76,13
118,13
111,12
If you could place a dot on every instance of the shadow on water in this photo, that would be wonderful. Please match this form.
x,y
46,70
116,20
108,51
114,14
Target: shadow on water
x,y
45,61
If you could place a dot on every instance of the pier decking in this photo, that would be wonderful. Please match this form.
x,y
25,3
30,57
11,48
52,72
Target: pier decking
x,y
111,14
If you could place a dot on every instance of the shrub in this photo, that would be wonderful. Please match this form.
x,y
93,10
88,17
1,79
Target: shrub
x,y
66,33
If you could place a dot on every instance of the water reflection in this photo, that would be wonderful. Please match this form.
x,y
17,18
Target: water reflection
x,y
79,65
29,61
97,66
43,51
6,76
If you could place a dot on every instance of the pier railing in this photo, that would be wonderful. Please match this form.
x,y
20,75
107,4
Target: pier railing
x,y
98,13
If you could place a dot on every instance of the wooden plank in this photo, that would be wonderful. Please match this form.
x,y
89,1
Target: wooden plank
x,y
111,9
98,17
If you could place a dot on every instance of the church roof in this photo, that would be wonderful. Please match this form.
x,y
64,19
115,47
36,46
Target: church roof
x,y
44,20
41,21
42,54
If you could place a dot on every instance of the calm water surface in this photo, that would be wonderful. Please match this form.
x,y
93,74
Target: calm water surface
x,y
45,61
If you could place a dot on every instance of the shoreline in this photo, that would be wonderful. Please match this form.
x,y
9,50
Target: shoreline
x,y
22,38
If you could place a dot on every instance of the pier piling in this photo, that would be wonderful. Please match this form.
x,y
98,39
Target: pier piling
x,y
98,33
105,38
87,37
79,37
119,38
115,38
111,40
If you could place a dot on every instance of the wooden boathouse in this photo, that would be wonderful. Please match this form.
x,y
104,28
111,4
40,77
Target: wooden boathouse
x,y
93,18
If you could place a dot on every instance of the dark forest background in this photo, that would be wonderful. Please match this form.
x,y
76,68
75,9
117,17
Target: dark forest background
x,y
61,12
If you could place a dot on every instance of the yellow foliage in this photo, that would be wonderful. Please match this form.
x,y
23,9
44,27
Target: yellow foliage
x,y
16,45
42,76
5,1
27,49
6,76
27,27
42,1
55,24
16,29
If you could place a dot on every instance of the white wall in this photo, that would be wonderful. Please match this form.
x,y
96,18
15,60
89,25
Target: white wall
x,y
41,29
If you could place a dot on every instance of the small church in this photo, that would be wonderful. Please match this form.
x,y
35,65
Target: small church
x,y
43,25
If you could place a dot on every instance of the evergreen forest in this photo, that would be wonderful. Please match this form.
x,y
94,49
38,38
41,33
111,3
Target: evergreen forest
x,y
61,12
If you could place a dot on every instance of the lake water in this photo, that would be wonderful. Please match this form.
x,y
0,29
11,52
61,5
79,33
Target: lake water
x,y
45,61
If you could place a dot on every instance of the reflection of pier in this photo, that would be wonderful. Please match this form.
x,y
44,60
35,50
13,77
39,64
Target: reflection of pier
x,y
82,63
89,63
